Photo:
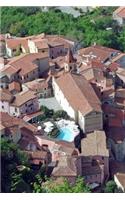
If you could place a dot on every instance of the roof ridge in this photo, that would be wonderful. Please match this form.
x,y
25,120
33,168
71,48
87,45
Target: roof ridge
x,y
82,93
80,89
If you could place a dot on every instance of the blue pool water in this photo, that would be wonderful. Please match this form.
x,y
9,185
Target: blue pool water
x,y
66,135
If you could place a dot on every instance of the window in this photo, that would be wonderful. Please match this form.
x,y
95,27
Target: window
x,y
1,86
2,107
15,109
26,104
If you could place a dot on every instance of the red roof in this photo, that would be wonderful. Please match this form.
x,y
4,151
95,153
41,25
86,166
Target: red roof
x,y
120,12
100,52
15,86
78,92
16,42
113,67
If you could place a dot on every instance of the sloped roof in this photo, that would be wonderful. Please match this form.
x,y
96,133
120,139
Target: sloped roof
x,y
121,178
9,70
5,95
15,86
13,43
37,84
23,97
78,91
8,121
120,12
65,167
94,144
26,62
99,52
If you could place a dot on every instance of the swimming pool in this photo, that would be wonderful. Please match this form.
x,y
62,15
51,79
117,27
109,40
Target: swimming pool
x,y
66,135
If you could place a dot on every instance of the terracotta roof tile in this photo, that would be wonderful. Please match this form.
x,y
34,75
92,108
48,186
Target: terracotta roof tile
x,y
26,62
37,84
15,86
8,121
99,52
78,92
120,12
9,70
5,95
121,177
66,167
96,142
16,42
23,97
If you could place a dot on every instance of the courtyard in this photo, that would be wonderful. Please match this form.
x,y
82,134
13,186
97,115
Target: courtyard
x,y
50,103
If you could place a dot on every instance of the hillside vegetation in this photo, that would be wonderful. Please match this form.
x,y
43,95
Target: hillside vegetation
x,y
90,27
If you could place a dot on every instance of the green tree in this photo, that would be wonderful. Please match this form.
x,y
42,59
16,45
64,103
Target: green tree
x,y
80,186
11,158
66,187
110,187
18,29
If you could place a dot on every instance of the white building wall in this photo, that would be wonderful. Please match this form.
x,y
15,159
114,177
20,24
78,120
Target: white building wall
x,y
4,107
118,183
14,111
32,47
87,123
81,121
63,101
9,52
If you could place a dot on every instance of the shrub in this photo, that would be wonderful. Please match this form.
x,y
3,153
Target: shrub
x,y
110,187
47,112
54,133
60,114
